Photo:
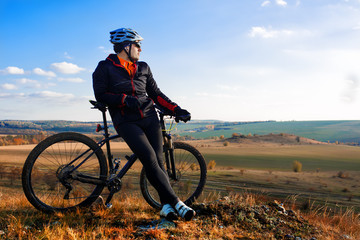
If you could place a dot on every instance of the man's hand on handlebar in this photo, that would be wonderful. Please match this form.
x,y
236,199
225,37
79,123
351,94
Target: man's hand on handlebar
x,y
181,115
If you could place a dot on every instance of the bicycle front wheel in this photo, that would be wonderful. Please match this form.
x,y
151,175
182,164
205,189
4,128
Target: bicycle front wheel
x,y
47,173
191,176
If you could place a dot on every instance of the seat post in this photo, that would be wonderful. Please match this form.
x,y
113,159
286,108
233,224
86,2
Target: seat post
x,y
108,151
105,124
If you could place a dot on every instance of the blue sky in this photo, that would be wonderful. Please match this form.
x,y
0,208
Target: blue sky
x,y
234,60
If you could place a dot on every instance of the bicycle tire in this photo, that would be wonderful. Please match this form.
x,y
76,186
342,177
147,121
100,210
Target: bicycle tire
x,y
45,163
191,169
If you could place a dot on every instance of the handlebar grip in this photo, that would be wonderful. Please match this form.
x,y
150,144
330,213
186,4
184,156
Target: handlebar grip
x,y
183,118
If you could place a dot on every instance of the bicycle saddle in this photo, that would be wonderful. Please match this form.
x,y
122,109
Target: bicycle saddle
x,y
98,105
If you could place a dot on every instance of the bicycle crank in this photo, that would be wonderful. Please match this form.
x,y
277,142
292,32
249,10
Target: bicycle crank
x,y
114,186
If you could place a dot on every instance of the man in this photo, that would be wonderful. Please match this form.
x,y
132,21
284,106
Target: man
x,y
127,86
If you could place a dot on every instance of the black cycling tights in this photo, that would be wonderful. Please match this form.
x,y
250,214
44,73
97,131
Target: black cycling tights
x,y
145,139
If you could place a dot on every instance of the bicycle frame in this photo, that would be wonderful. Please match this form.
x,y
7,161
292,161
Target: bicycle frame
x,y
168,148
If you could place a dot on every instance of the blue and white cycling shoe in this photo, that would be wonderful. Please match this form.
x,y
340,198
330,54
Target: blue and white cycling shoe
x,y
168,212
184,211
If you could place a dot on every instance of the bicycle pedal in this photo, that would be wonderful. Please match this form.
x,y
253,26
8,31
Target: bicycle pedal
x,y
108,205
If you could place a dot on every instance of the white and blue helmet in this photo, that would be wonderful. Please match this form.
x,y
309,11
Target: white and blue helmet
x,y
124,35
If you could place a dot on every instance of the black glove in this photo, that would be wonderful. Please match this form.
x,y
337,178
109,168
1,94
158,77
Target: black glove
x,y
132,102
181,115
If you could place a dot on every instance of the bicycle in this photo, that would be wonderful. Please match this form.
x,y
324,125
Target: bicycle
x,y
69,170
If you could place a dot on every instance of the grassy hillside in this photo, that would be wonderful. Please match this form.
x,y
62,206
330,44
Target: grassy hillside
x,y
341,131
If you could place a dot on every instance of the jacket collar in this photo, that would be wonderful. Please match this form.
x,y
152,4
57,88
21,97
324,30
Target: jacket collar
x,y
115,60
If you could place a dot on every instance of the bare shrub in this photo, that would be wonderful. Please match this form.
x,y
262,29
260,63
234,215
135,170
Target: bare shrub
x,y
226,143
211,164
343,175
297,166
234,135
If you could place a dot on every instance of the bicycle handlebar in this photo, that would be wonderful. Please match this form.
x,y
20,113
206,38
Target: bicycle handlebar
x,y
103,107
178,118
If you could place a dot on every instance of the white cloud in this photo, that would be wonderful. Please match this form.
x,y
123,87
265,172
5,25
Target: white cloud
x,y
29,82
352,89
41,72
50,97
8,86
62,97
11,96
265,3
13,70
67,68
277,2
263,32
5,95
281,3
73,80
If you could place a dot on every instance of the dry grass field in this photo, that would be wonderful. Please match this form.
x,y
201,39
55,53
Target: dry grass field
x,y
237,216
330,173
325,197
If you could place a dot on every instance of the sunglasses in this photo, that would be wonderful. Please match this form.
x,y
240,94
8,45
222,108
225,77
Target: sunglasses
x,y
137,44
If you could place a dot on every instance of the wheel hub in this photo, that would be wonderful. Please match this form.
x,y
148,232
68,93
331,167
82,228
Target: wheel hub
x,y
63,172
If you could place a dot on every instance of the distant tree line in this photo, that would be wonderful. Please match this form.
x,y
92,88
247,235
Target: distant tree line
x,y
20,127
22,139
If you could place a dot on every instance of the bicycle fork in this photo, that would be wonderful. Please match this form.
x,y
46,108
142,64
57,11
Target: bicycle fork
x,y
169,157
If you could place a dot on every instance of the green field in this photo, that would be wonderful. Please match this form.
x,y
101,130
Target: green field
x,y
312,157
342,131
330,173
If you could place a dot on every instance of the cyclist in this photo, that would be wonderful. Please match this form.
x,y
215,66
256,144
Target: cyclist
x,y
127,86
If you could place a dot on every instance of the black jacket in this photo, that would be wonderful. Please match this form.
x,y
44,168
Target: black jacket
x,y
112,83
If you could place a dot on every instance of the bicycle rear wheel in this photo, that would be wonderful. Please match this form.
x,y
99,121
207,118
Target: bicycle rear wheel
x,y
191,172
45,177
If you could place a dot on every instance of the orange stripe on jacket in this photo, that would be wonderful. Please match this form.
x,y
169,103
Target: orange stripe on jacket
x,y
130,67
